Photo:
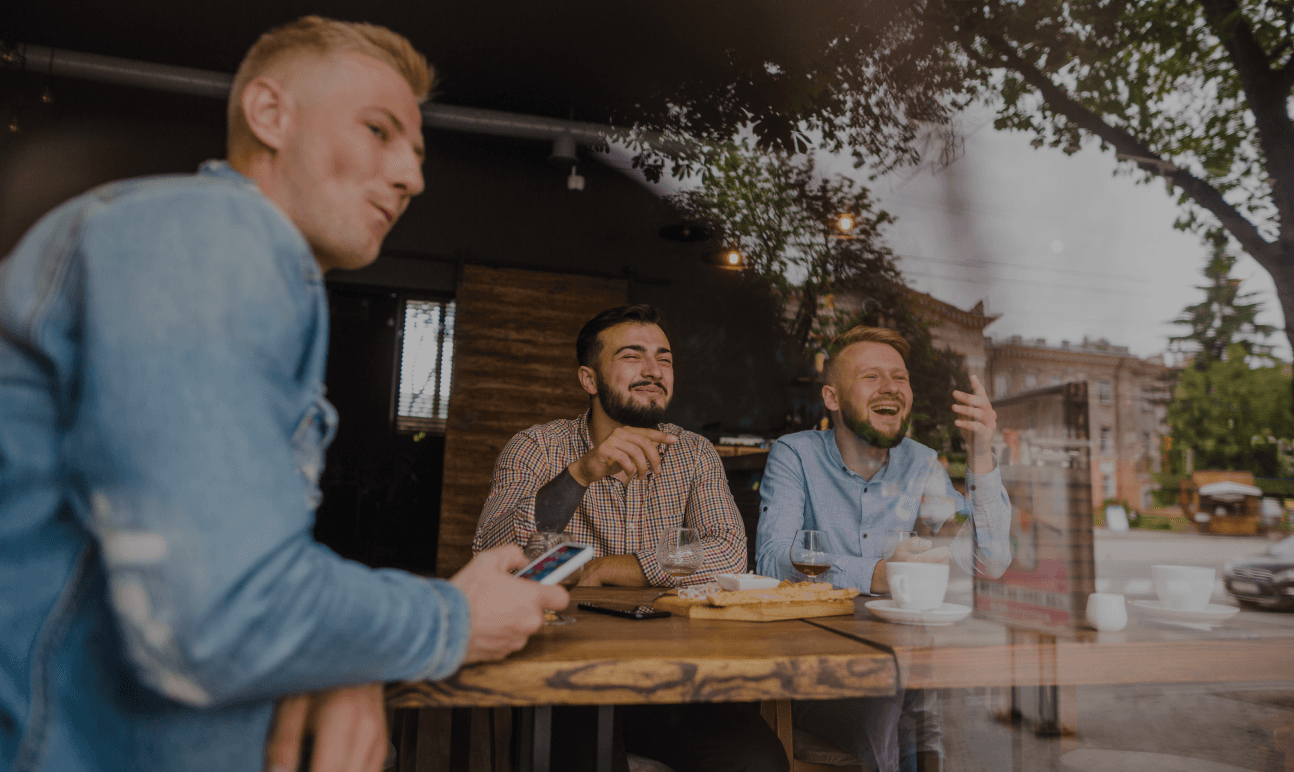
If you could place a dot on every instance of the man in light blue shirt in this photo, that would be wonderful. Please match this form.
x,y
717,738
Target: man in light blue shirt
x,y
862,482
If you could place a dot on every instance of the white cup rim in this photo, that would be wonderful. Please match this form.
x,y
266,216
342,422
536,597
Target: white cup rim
x,y
1194,569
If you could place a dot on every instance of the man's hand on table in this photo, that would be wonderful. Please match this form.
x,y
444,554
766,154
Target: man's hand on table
x,y
348,726
627,449
978,422
914,550
505,610
618,570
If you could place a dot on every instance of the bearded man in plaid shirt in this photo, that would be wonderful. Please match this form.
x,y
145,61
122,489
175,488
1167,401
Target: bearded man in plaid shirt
x,y
617,478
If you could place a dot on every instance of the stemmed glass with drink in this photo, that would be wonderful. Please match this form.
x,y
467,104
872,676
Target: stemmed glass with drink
x,y
809,554
679,553
539,543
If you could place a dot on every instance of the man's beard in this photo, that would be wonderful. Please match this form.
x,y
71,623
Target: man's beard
x,y
622,408
861,426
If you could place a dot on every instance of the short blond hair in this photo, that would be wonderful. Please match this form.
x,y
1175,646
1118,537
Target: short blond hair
x,y
322,37
864,334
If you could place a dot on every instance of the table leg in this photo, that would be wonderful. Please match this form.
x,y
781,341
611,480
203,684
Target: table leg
x,y
543,735
606,727
525,740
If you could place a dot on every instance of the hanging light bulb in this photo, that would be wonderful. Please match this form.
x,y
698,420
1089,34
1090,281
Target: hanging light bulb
x,y
845,222
47,96
730,257
14,126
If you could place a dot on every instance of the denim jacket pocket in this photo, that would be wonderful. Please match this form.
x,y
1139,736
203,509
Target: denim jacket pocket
x,y
312,436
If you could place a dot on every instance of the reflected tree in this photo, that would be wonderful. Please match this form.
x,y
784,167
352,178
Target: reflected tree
x,y
785,219
1195,93
1226,316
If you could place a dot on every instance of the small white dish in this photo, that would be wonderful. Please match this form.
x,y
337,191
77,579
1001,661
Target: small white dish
x,y
946,614
734,582
1214,613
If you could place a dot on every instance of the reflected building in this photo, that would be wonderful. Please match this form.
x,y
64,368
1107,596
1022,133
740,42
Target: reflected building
x,y
1127,408
957,330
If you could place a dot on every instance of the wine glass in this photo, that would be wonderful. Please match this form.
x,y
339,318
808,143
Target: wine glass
x,y
539,543
679,553
896,538
809,554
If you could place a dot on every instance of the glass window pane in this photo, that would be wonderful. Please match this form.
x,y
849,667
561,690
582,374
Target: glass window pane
x,y
426,365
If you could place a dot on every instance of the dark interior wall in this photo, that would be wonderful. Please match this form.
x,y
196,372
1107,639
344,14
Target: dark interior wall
x,y
497,202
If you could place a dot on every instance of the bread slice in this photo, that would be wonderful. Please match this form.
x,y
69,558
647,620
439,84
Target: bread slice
x,y
788,593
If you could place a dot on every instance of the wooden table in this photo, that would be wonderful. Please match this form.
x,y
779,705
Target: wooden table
x,y
979,652
604,660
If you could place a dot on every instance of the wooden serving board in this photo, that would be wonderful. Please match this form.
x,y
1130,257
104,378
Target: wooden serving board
x,y
755,612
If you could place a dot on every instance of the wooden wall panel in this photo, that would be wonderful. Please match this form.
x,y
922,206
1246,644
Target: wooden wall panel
x,y
514,366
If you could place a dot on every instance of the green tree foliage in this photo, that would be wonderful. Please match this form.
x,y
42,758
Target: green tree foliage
x,y
867,77
1226,316
1195,91
1229,413
781,214
783,217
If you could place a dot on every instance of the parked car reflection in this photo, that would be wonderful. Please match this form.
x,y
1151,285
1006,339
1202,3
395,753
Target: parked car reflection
x,y
1266,579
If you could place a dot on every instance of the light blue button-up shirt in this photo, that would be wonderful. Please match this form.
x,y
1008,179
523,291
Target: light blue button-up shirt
x,y
806,485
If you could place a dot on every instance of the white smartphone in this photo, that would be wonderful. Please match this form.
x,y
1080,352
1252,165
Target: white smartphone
x,y
557,563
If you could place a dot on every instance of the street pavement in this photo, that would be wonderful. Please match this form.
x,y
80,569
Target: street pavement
x,y
1202,724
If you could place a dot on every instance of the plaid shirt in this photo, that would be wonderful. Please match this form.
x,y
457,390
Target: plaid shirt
x,y
617,518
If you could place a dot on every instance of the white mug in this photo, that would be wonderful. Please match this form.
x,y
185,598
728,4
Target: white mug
x,y
1107,612
1186,588
917,586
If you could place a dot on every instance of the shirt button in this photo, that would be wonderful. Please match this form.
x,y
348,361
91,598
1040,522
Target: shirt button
x,y
972,487
864,536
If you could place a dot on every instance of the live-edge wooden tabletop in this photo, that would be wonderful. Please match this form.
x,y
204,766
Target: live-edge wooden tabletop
x,y
604,660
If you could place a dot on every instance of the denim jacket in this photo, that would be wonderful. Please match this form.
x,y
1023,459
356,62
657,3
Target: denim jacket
x,y
162,429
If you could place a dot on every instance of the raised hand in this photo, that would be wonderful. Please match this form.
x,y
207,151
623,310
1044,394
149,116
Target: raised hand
x,y
978,422
628,449
505,610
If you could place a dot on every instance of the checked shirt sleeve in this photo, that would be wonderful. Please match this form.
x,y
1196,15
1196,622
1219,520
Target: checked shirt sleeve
x,y
509,513
710,510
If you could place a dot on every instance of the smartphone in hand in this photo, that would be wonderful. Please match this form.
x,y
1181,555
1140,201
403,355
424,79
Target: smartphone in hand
x,y
557,563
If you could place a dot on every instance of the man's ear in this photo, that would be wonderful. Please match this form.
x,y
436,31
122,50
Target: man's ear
x,y
588,379
829,398
268,109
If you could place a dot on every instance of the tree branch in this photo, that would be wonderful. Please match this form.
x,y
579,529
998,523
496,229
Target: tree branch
x,y
1252,63
1201,191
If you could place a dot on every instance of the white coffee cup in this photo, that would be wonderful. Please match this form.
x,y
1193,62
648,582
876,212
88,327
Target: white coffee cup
x,y
1107,612
917,586
1186,588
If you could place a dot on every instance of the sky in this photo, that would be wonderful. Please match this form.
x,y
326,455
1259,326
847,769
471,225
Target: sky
x,y
1058,245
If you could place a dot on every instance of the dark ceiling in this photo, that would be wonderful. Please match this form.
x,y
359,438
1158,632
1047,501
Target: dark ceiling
x,y
593,61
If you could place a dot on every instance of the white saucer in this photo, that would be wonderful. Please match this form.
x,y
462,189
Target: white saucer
x,y
1213,613
946,614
